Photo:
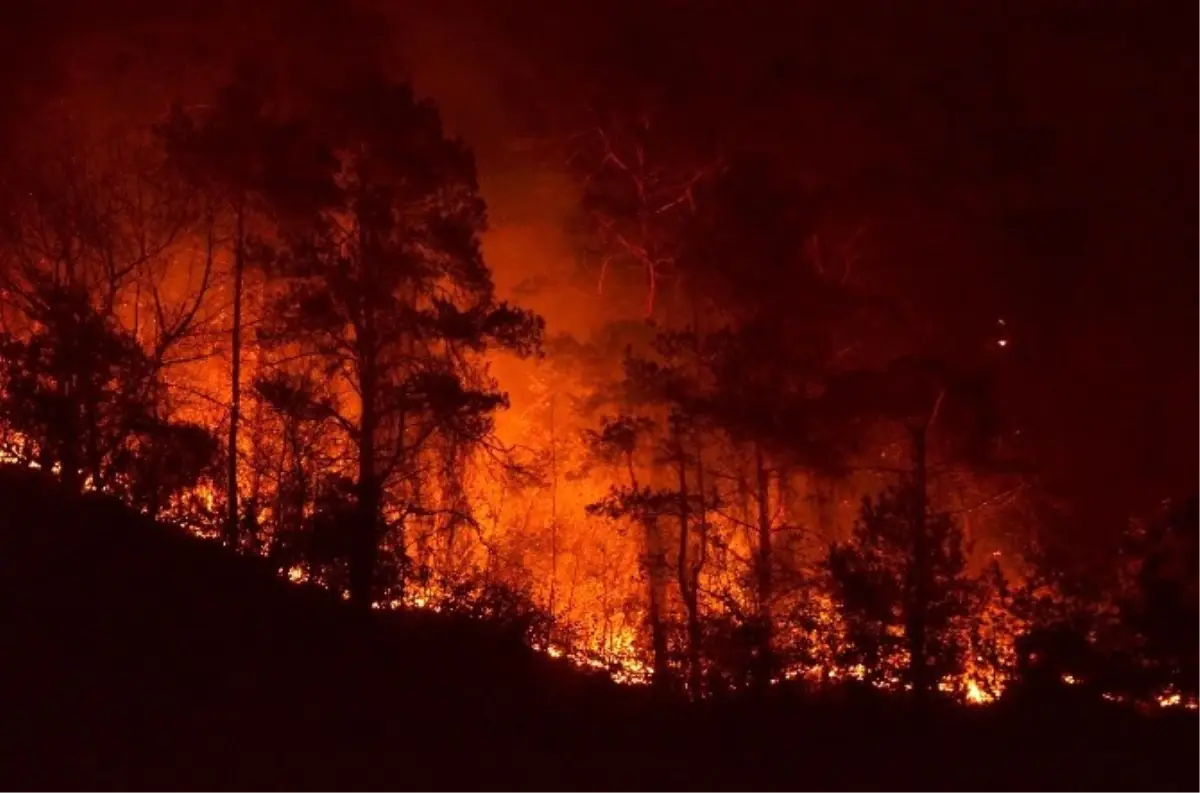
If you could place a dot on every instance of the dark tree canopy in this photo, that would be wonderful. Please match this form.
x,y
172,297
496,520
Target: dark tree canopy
x,y
388,293
85,399
873,579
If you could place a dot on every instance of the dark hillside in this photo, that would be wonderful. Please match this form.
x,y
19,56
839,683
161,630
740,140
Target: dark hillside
x,y
137,658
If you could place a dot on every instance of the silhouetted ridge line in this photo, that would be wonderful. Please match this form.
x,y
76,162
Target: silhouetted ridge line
x,y
124,634
138,657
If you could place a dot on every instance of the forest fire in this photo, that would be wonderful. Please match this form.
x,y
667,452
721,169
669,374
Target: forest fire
x,y
621,358
526,528
606,396
617,653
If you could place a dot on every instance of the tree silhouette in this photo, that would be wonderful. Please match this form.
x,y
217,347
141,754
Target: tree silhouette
x,y
918,395
884,609
85,395
773,318
777,426
1158,595
675,381
171,458
388,290
638,187
301,414
619,442
248,164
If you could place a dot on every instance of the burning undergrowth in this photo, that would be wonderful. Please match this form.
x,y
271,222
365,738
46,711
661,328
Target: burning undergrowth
x,y
294,345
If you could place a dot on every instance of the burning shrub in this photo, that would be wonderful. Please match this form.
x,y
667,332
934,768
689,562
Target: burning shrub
x,y
507,608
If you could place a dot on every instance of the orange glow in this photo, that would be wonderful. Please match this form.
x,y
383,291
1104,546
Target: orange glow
x,y
533,533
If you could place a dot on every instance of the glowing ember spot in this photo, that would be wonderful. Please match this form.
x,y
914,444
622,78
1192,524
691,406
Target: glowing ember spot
x,y
1070,680
1173,698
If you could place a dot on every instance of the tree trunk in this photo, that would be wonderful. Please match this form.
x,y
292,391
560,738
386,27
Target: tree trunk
x,y
686,575
695,636
93,465
254,508
764,663
658,629
919,576
652,560
364,547
553,605
232,525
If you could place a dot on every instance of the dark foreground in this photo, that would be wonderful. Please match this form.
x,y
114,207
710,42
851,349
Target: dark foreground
x,y
136,658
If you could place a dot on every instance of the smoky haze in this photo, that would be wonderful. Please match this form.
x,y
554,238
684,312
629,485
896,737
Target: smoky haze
x,y
1088,253
1077,232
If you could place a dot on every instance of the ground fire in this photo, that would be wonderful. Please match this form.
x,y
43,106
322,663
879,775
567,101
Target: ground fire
x,y
729,374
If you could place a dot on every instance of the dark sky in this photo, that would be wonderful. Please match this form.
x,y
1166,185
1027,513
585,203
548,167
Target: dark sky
x,y
1031,161
1028,160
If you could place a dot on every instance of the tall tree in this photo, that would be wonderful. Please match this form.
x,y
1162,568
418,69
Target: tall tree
x,y
777,425
388,289
676,381
620,441
256,169
779,318
915,396
638,188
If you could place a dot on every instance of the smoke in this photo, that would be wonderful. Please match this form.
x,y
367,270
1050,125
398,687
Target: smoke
x,y
915,121
995,162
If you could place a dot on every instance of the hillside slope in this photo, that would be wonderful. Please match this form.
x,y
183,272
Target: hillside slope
x,y
135,657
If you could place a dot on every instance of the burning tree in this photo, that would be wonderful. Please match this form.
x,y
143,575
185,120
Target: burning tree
x,y
388,291
676,384
85,397
638,189
300,416
736,418
251,169
914,396
93,246
671,385
885,611
620,441
768,322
